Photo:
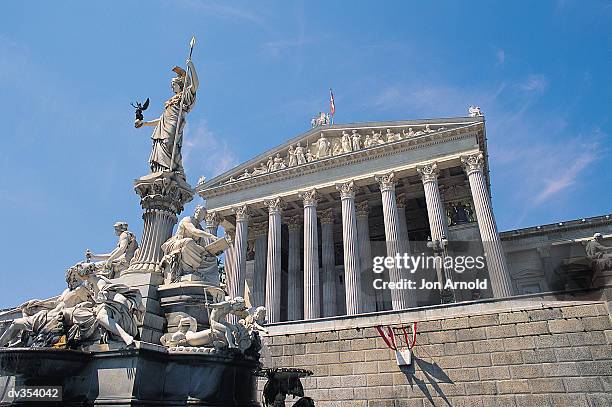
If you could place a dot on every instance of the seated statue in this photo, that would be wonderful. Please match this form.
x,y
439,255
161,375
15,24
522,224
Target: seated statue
x,y
119,259
185,252
599,255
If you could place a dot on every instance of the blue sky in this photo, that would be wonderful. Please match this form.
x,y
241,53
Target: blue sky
x,y
68,71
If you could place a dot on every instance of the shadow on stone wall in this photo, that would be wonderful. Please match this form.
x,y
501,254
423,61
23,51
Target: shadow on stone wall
x,y
433,375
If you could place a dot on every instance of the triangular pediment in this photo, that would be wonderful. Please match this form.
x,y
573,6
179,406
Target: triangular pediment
x,y
338,140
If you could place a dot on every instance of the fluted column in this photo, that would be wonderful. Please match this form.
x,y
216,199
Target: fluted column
x,y
212,222
273,275
400,299
501,284
260,233
352,276
230,257
295,290
329,262
438,223
312,302
162,199
404,243
362,213
236,287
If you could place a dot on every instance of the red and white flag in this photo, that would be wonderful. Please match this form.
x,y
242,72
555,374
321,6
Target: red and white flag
x,y
332,105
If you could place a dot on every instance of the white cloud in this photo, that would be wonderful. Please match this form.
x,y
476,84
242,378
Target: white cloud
x,y
534,83
206,153
565,177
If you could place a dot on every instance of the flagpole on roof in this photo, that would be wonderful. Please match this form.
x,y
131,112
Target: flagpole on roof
x,y
332,106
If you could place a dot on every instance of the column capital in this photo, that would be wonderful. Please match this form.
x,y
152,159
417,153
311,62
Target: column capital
x,y
386,182
275,205
294,223
472,163
429,172
327,216
212,219
347,190
242,212
401,201
362,209
310,197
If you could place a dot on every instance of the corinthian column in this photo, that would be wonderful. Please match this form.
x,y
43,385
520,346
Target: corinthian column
x,y
260,233
312,303
162,199
273,276
329,264
404,244
400,299
230,256
362,212
236,287
295,294
352,276
494,252
435,208
438,225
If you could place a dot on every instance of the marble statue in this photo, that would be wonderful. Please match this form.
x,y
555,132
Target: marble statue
x,y
279,163
377,139
246,174
321,119
427,129
291,157
270,164
167,139
367,142
221,333
356,139
262,169
48,320
337,150
323,147
310,157
91,305
390,136
186,253
299,154
117,308
474,111
410,133
347,142
112,264
599,255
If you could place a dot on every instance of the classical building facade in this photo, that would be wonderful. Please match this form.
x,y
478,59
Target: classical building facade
x,y
308,215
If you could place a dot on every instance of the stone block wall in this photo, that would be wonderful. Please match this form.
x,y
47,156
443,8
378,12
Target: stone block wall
x,y
524,351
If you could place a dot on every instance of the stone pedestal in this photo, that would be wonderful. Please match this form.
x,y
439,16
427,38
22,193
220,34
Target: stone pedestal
x,y
178,300
146,375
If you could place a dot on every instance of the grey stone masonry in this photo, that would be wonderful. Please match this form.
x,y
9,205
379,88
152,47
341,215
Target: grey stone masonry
x,y
534,350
